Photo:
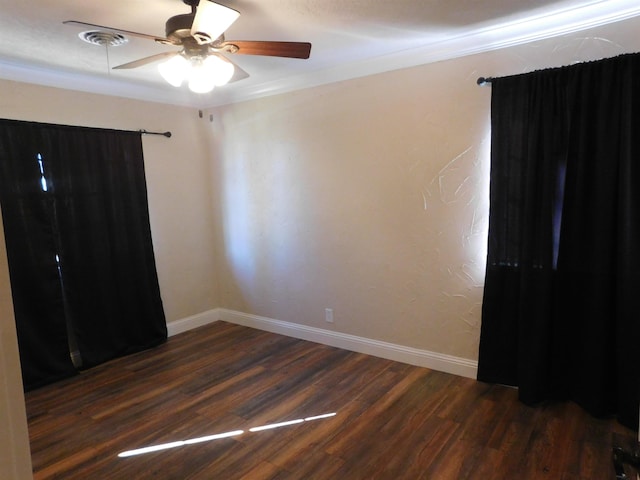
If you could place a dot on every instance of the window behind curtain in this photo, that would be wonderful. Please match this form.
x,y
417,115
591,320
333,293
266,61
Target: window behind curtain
x,y
81,260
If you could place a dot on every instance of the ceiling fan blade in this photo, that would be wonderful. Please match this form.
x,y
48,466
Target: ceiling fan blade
x,y
271,49
119,30
211,20
144,61
238,73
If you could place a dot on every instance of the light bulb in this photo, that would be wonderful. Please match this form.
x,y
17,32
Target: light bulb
x,y
174,70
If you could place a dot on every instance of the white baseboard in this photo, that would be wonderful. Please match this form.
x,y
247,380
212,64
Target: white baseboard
x,y
422,358
195,321
413,356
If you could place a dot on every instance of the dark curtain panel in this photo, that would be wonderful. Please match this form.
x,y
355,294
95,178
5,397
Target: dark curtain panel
x,y
31,242
99,215
559,316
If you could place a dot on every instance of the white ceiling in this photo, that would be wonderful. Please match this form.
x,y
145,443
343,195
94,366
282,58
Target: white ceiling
x,y
350,38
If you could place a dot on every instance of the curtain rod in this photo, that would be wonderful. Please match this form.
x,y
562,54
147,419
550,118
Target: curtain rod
x,y
482,81
165,134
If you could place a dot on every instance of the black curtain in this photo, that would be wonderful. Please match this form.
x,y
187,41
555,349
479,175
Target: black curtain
x,y
81,260
560,314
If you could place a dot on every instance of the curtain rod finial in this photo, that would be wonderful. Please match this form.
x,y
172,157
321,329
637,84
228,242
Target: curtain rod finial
x,y
482,81
164,134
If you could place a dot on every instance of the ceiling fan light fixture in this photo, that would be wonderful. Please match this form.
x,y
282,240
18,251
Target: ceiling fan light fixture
x,y
174,70
202,73
211,21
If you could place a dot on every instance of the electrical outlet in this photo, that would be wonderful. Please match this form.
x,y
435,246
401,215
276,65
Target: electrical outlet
x,y
328,315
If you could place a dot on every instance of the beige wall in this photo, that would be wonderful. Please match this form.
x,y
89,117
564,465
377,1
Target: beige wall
x,y
15,459
370,196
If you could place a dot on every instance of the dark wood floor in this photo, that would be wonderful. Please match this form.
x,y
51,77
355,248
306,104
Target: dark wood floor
x,y
393,421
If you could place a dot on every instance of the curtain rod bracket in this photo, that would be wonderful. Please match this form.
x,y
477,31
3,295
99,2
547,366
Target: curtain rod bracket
x,y
165,134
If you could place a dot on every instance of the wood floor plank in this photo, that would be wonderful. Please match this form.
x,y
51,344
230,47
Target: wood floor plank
x,y
262,471
392,421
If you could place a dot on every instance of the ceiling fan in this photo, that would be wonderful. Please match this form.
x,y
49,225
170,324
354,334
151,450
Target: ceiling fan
x,y
201,36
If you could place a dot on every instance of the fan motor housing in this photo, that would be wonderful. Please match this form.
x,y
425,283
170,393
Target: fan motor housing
x,y
178,27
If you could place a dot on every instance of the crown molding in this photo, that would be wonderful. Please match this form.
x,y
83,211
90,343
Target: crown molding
x,y
461,43
464,43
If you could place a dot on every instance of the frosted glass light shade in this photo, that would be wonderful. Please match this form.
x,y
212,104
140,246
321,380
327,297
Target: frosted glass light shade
x,y
201,76
221,69
202,73
211,20
174,70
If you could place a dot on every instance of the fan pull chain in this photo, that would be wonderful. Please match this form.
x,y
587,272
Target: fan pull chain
x,y
106,47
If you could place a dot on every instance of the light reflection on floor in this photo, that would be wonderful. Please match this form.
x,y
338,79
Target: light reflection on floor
x,y
208,438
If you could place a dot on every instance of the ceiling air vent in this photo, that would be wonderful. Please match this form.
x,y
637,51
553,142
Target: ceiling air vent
x,y
97,37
